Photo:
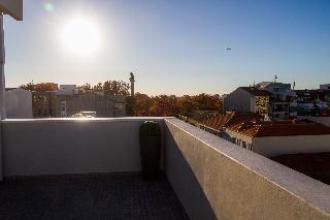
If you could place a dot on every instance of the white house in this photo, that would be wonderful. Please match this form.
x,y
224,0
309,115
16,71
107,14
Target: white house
x,y
273,138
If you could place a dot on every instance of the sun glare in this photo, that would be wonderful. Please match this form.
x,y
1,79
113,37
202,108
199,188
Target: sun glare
x,y
81,36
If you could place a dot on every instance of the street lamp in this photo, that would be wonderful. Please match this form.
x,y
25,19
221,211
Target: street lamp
x,y
14,8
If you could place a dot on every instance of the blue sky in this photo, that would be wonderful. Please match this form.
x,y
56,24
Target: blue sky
x,y
175,47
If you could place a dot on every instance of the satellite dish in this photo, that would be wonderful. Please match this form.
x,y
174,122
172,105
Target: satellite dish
x,y
12,7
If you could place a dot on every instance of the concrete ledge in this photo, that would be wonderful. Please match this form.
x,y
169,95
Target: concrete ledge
x,y
236,183
34,120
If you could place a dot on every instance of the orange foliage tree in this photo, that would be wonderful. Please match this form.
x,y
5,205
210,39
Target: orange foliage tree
x,y
164,105
40,87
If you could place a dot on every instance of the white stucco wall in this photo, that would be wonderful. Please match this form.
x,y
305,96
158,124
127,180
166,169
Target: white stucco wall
x,y
274,146
239,100
241,137
18,103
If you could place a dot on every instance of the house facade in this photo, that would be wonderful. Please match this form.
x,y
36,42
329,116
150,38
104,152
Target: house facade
x,y
280,137
314,102
54,104
276,100
247,99
282,102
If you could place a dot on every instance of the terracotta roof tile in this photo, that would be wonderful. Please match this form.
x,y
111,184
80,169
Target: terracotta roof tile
x,y
224,120
279,128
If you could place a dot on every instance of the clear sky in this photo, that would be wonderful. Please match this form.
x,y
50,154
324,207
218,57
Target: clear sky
x,y
174,47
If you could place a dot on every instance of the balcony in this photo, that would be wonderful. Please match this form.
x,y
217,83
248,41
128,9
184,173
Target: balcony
x,y
89,169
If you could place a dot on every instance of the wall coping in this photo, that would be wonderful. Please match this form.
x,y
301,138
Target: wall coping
x,y
315,193
81,120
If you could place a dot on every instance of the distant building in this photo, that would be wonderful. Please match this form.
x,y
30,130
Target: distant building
x,y
282,103
273,99
67,90
66,102
325,87
315,102
18,103
270,138
273,138
247,99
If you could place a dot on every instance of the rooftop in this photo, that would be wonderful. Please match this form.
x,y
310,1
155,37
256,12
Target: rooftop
x,y
46,166
255,91
89,196
253,125
230,118
279,128
273,84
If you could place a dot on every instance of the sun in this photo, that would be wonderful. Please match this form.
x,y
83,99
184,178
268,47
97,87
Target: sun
x,y
81,36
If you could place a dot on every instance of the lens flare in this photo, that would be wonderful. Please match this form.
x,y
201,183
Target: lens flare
x,y
49,7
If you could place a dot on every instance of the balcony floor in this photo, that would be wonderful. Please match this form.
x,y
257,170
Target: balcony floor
x,y
88,197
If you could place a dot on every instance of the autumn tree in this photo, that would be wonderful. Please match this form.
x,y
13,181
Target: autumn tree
x,y
40,87
207,102
142,104
113,87
85,88
186,105
98,87
164,105
28,86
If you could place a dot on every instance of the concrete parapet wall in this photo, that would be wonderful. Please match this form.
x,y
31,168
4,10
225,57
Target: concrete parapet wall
x,y
215,179
51,147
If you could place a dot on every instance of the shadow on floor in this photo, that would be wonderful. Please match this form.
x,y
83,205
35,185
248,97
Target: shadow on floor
x,y
99,196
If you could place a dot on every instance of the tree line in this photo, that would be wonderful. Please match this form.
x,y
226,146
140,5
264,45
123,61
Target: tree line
x,y
109,87
171,105
143,105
